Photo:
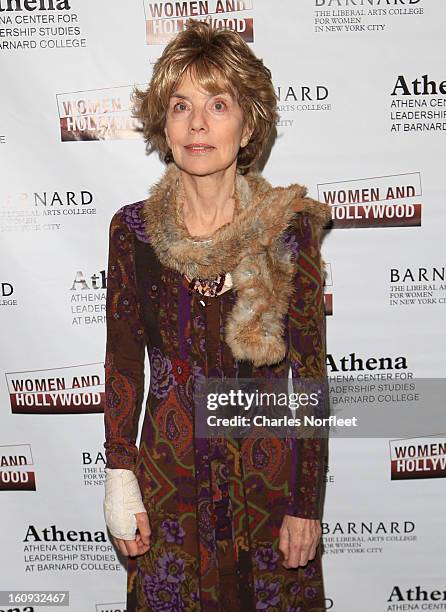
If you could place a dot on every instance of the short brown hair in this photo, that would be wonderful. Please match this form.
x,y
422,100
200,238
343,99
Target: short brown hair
x,y
210,53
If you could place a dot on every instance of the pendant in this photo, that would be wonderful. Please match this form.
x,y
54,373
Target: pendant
x,y
205,286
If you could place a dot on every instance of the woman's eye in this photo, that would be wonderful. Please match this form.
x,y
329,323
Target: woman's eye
x,y
178,104
220,105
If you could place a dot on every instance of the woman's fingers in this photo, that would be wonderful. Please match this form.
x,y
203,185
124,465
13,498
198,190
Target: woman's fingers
x,y
284,541
298,548
143,523
120,545
141,544
308,543
300,538
312,553
132,548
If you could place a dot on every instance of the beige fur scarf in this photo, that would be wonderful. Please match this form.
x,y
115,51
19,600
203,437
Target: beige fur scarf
x,y
250,248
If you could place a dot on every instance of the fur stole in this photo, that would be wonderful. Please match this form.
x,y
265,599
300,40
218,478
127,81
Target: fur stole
x,y
251,247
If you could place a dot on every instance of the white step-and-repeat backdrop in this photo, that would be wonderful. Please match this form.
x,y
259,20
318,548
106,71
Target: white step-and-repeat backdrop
x,y
362,90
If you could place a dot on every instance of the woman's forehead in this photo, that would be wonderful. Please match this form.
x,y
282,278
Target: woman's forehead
x,y
210,85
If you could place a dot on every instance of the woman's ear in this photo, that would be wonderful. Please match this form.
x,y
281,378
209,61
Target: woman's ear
x,y
246,135
167,138
244,141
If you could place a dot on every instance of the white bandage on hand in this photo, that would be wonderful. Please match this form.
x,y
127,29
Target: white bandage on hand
x,y
121,502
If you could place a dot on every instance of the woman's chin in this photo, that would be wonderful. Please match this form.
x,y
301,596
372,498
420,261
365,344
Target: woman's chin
x,y
202,166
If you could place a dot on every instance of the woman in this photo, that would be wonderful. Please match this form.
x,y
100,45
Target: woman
x,y
219,275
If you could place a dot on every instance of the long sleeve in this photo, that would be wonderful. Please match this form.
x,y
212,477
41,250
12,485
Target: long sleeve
x,y
125,349
307,353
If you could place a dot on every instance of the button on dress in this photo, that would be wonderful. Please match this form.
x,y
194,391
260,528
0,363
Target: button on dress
x,y
215,506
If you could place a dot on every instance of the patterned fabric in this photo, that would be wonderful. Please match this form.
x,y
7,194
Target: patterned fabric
x,y
215,506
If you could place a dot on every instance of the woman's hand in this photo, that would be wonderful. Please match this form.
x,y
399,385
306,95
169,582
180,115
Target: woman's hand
x,y
125,513
299,538
141,544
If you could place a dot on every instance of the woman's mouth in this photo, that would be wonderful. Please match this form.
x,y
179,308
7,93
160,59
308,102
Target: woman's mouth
x,y
198,148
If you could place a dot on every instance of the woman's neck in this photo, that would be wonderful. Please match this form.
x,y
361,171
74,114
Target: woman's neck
x,y
207,201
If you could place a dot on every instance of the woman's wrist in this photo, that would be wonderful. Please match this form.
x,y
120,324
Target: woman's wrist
x,y
121,502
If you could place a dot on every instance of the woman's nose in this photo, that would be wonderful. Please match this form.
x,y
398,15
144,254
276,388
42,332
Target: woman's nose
x,y
197,120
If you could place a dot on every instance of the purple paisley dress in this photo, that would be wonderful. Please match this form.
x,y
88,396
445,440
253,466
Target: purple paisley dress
x,y
215,507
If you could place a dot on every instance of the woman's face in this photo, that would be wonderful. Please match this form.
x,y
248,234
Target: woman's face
x,y
204,131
